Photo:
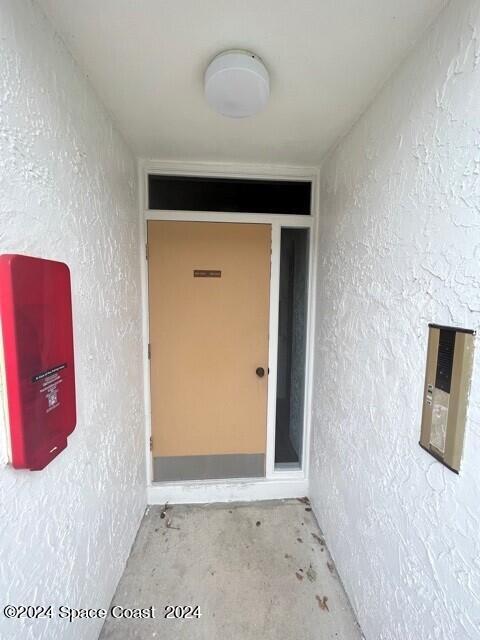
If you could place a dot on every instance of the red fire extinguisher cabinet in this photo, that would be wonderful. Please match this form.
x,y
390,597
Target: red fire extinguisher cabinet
x,y
38,361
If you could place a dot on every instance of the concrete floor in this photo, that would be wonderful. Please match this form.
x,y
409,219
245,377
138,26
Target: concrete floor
x,y
256,571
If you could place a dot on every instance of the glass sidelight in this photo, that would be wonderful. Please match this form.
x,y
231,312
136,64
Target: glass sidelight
x,y
292,331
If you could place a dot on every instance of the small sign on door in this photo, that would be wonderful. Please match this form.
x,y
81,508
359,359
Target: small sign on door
x,y
207,273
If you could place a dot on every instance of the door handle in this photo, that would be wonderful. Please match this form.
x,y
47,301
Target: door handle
x,y
260,371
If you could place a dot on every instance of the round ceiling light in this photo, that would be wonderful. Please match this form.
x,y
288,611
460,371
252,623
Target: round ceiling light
x,y
237,84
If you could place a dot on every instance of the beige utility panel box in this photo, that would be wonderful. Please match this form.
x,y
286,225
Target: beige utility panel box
x,y
447,386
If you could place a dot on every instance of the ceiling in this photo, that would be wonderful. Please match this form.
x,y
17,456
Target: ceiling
x,y
326,58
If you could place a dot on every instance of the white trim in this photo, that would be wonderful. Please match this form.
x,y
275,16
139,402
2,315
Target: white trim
x,y
228,169
235,491
280,478
220,216
311,313
273,350
145,327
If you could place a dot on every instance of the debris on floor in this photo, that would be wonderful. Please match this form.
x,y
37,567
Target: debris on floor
x,y
319,539
239,575
168,521
311,574
322,603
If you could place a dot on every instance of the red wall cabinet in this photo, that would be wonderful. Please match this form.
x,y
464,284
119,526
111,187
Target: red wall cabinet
x,y
38,364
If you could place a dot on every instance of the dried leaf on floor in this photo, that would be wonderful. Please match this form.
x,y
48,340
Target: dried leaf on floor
x,y
299,576
322,603
164,511
319,539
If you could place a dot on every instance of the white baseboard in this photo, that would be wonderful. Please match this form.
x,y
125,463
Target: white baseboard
x,y
202,492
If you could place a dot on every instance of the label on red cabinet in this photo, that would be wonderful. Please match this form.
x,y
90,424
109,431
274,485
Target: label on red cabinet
x,y
50,389
48,372
51,380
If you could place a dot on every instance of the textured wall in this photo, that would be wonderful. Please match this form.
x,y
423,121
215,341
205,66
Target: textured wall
x,y
67,192
399,247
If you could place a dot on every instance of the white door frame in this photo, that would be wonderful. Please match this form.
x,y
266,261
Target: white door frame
x,y
278,483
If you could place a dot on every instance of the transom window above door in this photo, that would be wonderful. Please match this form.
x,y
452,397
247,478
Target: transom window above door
x,y
237,195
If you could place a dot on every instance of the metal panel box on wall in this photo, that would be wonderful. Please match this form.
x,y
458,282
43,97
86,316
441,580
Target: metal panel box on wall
x,y
38,361
447,385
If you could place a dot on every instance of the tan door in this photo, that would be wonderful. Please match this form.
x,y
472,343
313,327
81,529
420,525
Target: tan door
x,y
209,289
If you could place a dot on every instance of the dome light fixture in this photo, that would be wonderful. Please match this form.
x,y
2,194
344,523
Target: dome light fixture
x,y
237,84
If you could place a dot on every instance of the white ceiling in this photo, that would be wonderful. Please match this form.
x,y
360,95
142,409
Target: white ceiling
x,y
327,58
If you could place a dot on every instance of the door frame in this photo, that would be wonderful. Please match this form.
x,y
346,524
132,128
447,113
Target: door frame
x,y
278,483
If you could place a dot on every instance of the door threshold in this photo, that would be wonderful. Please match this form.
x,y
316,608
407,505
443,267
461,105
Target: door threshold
x,y
237,490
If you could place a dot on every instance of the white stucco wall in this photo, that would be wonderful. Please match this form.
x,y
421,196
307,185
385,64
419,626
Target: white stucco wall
x,y
68,192
399,247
